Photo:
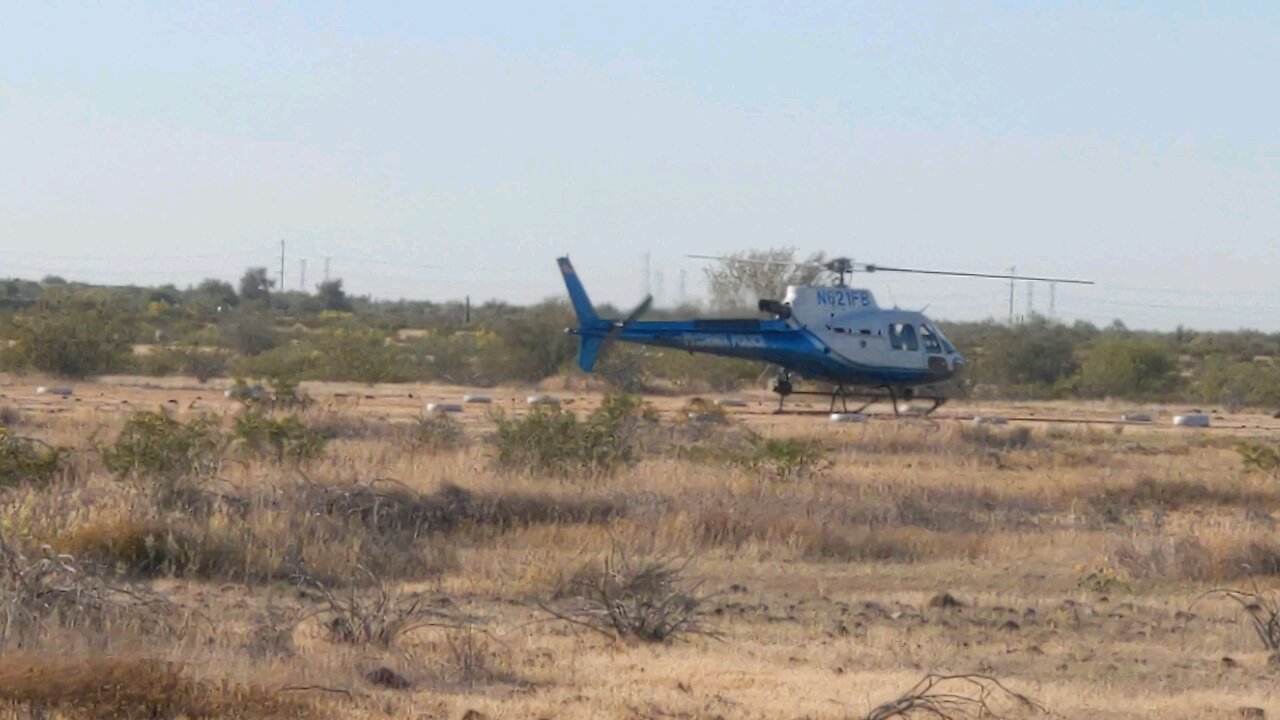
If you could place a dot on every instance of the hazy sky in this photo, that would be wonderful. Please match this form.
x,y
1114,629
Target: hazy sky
x,y
1136,144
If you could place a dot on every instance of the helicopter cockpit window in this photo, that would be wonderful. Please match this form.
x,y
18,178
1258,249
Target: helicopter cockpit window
x,y
946,344
902,336
931,344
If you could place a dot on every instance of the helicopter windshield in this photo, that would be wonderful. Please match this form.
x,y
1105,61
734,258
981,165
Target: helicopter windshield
x,y
934,338
929,340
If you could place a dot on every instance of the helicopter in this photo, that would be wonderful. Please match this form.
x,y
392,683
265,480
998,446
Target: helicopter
x,y
834,334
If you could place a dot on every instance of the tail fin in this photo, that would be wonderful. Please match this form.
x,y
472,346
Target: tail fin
x,y
591,340
577,295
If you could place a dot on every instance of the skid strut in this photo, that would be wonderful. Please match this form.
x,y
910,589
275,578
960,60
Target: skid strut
x,y
841,395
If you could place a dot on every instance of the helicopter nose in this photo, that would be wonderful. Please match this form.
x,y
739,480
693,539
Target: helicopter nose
x,y
957,363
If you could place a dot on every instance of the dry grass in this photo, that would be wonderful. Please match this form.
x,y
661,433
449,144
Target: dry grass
x,y
101,686
405,548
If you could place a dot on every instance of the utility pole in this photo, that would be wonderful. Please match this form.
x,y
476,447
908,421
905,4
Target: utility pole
x,y
282,266
302,274
683,295
1013,270
1031,298
326,268
1053,292
648,283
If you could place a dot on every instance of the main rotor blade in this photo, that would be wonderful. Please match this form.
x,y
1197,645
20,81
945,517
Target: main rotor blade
x,y
886,268
620,325
641,309
752,261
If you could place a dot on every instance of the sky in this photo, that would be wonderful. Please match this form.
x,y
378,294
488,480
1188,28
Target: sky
x,y
439,150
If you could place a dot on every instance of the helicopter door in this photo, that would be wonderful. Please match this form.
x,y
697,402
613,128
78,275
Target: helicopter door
x,y
904,346
859,343
902,336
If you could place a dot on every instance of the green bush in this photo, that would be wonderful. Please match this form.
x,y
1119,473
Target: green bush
x,y
280,439
1034,359
781,458
71,336
156,444
248,333
200,364
528,346
28,461
549,439
1127,368
784,458
358,354
1260,457
1238,384
274,392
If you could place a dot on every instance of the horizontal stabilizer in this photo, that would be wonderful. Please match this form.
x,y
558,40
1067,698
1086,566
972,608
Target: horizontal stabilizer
x,y
588,350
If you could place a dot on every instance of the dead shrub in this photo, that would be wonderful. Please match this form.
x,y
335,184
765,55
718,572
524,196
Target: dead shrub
x,y
107,687
473,656
373,611
812,539
347,426
56,591
11,417
436,434
1263,609
1159,556
388,508
951,697
965,510
152,547
987,437
703,410
620,598
1114,504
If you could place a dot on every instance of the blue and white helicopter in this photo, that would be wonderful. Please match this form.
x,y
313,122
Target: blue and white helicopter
x,y
837,334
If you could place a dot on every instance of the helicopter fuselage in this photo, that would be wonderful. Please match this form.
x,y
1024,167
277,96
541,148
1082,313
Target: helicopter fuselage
x,y
833,334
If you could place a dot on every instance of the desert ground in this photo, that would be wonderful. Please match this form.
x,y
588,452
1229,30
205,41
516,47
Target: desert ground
x,y
409,571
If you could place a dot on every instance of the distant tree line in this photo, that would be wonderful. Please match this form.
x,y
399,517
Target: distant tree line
x,y
215,329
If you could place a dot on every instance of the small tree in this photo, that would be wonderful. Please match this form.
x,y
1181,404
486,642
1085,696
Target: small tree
x,y
332,296
255,285
217,293
748,276
248,332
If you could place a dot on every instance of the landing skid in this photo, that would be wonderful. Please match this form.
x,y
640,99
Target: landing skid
x,y
842,395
